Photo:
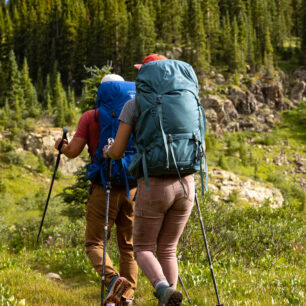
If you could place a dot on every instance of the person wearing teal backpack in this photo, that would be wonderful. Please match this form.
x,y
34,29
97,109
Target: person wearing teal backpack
x,y
169,124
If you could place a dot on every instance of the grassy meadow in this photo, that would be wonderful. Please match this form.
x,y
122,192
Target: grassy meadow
x,y
258,252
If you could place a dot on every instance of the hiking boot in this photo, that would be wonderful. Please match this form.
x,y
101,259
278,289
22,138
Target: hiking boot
x,y
126,302
117,287
168,296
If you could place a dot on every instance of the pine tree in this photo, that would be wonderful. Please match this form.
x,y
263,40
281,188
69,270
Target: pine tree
x,y
91,84
198,54
17,117
228,51
39,85
70,116
60,102
303,32
250,36
171,20
29,92
143,43
115,27
13,80
7,38
5,118
79,57
268,54
2,85
211,16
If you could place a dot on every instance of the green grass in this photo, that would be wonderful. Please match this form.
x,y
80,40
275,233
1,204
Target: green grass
x,y
279,283
258,252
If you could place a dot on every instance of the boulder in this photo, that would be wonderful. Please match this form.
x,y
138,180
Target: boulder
x,y
244,101
273,95
297,91
41,143
224,183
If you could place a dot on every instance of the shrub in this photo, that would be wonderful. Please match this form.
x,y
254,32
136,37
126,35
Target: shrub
x,y
222,163
6,146
13,157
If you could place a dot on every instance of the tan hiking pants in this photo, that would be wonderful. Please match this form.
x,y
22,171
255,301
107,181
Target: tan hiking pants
x,y
121,213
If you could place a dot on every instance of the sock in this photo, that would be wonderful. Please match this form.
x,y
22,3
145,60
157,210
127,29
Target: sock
x,y
161,283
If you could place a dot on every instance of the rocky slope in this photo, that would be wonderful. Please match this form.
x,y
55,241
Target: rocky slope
x,y
254,105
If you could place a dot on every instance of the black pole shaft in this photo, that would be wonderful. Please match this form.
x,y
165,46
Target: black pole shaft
x,y
184,288
108,189
207,250
65,131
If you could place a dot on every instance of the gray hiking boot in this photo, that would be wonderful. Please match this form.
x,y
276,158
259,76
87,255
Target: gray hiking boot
x,y
168,296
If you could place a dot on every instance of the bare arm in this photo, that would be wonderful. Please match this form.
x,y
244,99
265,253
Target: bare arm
x,y
122,138
73,148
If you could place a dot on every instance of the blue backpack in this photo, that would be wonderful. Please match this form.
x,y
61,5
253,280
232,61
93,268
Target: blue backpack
x,y
111,97
170,122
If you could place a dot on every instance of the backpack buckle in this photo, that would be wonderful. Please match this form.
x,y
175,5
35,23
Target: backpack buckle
x,y
170,138
159,99
195,137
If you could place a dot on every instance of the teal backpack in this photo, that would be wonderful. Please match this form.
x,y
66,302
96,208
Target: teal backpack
x,y
170,122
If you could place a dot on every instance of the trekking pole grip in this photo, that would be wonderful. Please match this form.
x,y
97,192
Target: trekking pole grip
x,y
64,137
110,141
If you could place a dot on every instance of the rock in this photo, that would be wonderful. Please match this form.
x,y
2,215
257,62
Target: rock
x,y
41,143
219,110
248,191
297,92
220,79
54,277
273,95
300,74
244,101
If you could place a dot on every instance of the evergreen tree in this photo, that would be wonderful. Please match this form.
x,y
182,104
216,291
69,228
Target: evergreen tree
x,y
79,57
91,84
303,32
143,43
115,27
70,116
228,54
211,16
48,94
29,92
2,85
7,38
17,117
198,55
268,54
13,80
5,117
39,85
171,20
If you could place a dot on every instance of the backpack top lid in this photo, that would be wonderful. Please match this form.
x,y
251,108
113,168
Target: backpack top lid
x,y
166,76
114,94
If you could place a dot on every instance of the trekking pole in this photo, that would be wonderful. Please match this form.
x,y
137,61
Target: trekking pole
x,y
64,137
207,250
184,288
108,189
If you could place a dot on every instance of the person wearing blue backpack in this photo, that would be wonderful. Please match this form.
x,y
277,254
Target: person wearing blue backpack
x,y
94,128
168,122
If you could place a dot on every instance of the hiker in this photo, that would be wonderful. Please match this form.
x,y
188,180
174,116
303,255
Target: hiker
x,y
161,212
121,285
